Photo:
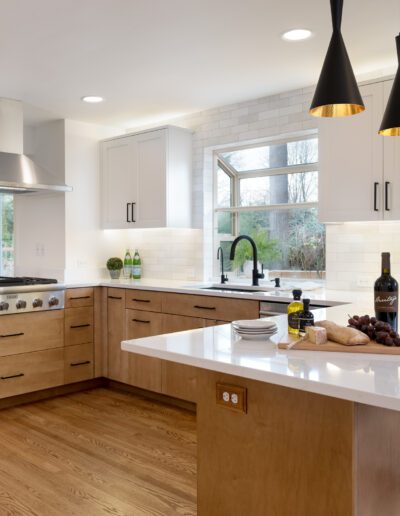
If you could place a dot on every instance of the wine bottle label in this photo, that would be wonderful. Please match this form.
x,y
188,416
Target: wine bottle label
x,y
386,301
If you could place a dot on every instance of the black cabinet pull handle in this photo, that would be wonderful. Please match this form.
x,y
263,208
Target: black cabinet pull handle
x,y
387,183
133,212
74,364
205,307
375,196
141,321
127,212
11,335
141,300
79,326
12,376
114,297
81,297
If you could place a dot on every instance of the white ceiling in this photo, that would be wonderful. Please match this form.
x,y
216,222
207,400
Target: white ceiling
x,y
156,59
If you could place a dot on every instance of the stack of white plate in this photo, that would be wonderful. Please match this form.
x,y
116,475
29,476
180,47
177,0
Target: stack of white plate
x,y
256,329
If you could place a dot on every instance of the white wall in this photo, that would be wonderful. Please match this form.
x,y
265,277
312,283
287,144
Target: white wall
x,y
84,241
40,218
354,253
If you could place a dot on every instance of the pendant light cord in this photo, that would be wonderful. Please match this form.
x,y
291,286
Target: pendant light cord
x,y
336,11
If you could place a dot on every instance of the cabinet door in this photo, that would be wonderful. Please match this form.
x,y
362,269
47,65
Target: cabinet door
x,y
119,183
117,359
391,145
150,162
351,163
174,323
179,381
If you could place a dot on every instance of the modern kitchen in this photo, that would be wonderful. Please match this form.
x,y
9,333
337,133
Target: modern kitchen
x,y
200,255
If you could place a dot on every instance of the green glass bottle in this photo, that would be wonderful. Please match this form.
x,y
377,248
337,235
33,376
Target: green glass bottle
x,y
127,265
294,309
137,266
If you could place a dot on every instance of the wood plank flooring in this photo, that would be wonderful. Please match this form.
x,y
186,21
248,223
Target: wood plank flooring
x,y
97,452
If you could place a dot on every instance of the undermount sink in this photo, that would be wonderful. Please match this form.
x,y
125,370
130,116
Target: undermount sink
x,y
239,288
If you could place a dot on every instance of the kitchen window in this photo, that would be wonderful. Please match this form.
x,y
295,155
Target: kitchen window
x,y
7,234
270,192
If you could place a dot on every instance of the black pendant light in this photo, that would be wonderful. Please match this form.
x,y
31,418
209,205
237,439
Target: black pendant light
x,y
390,125
337,93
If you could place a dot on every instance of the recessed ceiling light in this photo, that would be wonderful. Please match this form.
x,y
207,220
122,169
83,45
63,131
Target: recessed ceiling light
x,y
92,99
296,34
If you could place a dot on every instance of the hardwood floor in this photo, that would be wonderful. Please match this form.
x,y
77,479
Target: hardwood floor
x,y
97,452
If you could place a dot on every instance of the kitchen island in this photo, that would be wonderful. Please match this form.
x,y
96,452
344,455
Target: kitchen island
x,y
311,433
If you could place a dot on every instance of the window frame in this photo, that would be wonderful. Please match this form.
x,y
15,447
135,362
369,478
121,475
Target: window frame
x,y
236,176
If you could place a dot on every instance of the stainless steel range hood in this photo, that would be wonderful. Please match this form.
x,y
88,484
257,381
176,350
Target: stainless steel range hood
x,y
18,173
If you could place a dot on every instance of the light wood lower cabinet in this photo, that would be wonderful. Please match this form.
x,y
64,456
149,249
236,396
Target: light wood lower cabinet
x,y
78,363
22,333
144,372
140,323
30,372
174,323
78,297
118,360
78,325
210,307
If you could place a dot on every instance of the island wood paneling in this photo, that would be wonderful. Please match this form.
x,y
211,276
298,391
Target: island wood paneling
x,y
291,454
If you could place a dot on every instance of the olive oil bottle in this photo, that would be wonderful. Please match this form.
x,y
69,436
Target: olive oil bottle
x,y
294,309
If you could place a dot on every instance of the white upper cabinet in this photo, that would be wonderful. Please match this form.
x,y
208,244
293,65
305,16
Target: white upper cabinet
x,y
146,179
351,157
391,168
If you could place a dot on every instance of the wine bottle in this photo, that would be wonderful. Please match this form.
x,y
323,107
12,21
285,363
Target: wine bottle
x,y
386,293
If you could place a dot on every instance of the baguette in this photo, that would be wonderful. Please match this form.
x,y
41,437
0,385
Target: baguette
x,y
344,335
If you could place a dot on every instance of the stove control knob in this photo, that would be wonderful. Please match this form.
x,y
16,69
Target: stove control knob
x,y
4,306
53,301
21,304
37,303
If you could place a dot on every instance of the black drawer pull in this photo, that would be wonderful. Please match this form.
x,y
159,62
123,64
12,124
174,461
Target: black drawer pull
x,y
80,297
114,297
79,326
12,376
141,321
141,300
74,364
12,335
205,307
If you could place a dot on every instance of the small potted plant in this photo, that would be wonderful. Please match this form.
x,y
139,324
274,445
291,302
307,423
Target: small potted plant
x,y
114,266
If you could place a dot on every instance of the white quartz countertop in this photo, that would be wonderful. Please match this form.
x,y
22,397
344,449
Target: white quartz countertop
x,y
325,296
363,378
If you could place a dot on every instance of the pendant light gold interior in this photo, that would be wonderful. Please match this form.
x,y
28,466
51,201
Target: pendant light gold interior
x,y
333,110
393,131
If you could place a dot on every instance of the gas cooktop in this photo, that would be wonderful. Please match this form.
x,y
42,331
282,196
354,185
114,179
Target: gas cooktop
x,y
7,281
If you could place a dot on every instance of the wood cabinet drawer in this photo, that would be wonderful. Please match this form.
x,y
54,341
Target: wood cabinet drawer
x,y
144,372
143,300
77,297
21,333
78,363
78,325
30,372
208,307
139,323
173,323
179,381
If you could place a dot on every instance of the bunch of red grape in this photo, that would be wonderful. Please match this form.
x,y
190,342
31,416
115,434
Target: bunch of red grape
x,y
376,330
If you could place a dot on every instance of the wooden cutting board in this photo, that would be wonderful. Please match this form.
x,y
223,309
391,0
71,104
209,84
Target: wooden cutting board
x,y
371,347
